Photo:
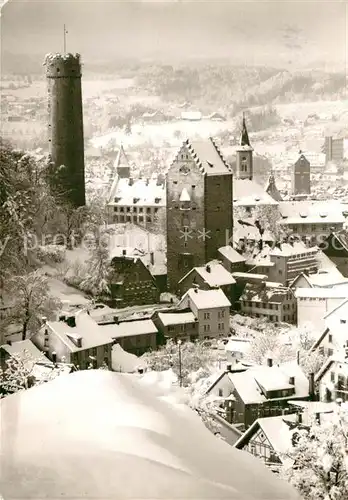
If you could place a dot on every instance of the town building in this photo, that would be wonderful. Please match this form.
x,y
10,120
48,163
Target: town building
x,y
139,201
131,282
231,260
301,177
334,149
236,350
75,338
269,300
212,275
335,336
335,246
332,378
314,303
199,208
312,221
212,310
65,127
261,391
283,262
270,439
177,325
135,336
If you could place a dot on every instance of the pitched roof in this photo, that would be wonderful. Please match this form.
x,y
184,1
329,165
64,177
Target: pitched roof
x,y
247,384
214,274
262,292
208,157
337,358
26,346
244,142
129,328
137,192
177,318
277,431
231,254
248,192
333,311
86,328
207,299
311,212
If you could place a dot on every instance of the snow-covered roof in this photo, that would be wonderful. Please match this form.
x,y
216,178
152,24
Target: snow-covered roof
x,y
26,346
342,308
86,328
265,292
208,157
125,251
207,299
138,192
312,212
247,382
326,278
240,345
231,254
120,425
340,291
277,431
129,329
296,248
191,115
336,358
214,274
249,193
177,318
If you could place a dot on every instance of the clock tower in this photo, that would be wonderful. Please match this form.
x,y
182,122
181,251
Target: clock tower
x,y
199,208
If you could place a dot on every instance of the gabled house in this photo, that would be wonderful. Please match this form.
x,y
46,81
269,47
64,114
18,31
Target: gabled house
x,y
335,336
131,283
212,310
181,325
269,300
134,336
212,275
270,439
261,391
336,248
332,378
75,338
231,259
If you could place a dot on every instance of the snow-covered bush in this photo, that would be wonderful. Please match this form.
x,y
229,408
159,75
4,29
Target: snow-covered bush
x,y
317,465
51,253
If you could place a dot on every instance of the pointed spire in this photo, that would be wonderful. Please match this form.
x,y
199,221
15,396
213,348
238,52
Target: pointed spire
x,y
244,137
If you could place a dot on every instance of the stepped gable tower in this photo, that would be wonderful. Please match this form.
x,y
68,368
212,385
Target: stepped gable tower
x,y
65,127
199,218
244,151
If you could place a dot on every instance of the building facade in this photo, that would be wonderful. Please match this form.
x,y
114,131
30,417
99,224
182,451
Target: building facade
x,y
65,127
199,208
301,177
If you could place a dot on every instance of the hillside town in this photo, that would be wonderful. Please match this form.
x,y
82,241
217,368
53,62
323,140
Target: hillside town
x,y
225,291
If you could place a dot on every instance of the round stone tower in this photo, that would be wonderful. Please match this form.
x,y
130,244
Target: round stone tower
x,y
65,126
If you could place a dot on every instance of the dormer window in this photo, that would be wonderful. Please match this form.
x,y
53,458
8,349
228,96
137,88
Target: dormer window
x,y
157,200
135,200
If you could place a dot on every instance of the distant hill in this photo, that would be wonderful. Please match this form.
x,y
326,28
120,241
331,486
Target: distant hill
x,y
285,34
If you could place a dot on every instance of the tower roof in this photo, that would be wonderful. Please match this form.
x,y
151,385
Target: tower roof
x,y
244,137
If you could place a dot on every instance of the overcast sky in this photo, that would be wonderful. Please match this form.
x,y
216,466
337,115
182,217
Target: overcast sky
x,y
251,32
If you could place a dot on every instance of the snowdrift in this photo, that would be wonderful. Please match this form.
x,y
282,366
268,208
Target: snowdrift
x,y
97,434
125,362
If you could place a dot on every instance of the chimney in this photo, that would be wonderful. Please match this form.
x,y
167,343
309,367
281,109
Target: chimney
x,y
54,357
147,181
311,387
208,268
298,357
196,290
229,368
71,321
124,252
131,181
270,362
62,318
152,258
317,418
9,342
116,320
292,380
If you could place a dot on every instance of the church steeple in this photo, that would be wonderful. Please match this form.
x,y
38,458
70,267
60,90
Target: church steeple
x,y
244,136
244,154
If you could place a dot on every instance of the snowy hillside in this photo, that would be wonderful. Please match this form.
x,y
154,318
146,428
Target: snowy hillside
x,y
104,435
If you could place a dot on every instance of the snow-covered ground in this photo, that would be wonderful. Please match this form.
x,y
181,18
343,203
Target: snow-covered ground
x,y
106,435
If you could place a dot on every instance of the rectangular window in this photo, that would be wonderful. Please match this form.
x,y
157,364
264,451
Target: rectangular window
x,y
206,328
332,377
220,393
206,315
330,339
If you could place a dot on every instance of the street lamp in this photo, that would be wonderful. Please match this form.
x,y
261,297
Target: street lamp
x,y
180,375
